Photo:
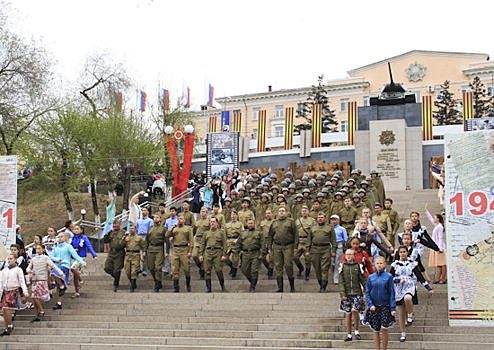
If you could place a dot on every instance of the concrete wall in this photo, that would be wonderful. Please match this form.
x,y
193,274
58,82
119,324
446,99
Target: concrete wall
x,y
411,112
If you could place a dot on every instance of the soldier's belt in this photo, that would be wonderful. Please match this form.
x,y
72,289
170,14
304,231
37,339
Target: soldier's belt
x,y
283,244
321,245
197,236
302,236
181,246
213,248
250,250
133,251
232,237
156,245
113,250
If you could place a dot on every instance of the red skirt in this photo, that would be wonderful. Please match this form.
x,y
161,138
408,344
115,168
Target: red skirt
x,y
13,299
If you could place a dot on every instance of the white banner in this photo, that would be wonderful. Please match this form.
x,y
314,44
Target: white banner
x,y
8,203
469,202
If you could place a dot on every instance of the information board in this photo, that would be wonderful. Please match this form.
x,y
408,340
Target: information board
x,y
8,203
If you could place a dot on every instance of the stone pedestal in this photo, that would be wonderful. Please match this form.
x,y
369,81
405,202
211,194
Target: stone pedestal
x,y
394,150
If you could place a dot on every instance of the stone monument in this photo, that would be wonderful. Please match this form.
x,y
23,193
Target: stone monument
x,y
389,137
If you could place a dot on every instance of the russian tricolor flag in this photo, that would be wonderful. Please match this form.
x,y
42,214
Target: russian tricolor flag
x,y
211,95
143,101
166,99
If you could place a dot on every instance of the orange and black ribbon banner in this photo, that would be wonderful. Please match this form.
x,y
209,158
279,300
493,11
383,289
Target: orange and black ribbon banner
x,y
427,118
467,108
212,124
289,128
261,132
352,122
237,121
316,125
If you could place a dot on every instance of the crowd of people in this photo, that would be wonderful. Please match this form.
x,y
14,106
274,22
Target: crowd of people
x,y
344,229
45,266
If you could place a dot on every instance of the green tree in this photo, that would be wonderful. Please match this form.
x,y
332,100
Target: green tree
x,y
446,112
482,103
317,95
25,76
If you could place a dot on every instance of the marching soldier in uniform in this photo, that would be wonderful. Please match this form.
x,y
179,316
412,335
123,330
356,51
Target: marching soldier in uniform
x,y
252,245
183,242
267,258
216,214
201,226
133,244
379,185
155,251
233,229
227,210
188,216
304,223
348,215
213,253
358,205
297,206
115,261
321,246
283,243
394,218
236,200
245,214
264,204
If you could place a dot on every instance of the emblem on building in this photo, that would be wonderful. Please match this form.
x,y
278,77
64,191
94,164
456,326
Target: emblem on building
x,y
415,71
387,137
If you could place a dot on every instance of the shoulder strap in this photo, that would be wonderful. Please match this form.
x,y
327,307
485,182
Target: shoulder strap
x,y
303,228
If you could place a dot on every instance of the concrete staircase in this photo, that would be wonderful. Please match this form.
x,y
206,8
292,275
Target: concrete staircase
x,y
102,319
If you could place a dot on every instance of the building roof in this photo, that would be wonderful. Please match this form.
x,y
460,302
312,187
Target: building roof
x,y
359,70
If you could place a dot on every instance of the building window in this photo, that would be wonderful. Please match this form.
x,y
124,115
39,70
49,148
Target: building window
x,y
344,104
254,134
301,109
279,131
255,113
344,126
489,90
366,101
279,112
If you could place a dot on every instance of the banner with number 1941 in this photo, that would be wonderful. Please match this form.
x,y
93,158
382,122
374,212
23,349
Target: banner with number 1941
x,y
8,203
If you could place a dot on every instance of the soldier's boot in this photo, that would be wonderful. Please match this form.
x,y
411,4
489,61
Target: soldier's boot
x,y
234,273
156,289
208,286
230,264
307,273
201,274
222,284
249,279
324,284
133,285
300,268
176,287
187,283
280,284
160,285
253,283
270,274
320,283
115,284
292,284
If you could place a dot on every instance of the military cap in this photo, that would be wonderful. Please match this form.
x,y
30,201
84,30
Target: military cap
x,y
179,215
359,170
339,173
321,213
355,195
325,190
280,195
344,189
337,176
364,183
361,191
354,171
351,179
252,191
368,178
255,175
346,184
246,199
299,195
306,190
234,211
241,189
288,180
267,179
270,194
324,173
248,186
289,174
250,179
298,182
328,183
228,199
284,189
116,221
259,187
234,192
274,187
273,176
292,186
284,184
319,177
264,195
334,179
305,207
312,183
338,193
320,194
373,171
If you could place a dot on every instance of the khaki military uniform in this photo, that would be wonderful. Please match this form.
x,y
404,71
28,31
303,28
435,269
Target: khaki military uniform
x,y
383,222
261,212
164,216
189,218
347,219
267,258
379,186
297,209
155,250
133,244
183,242
336,207
244,216
236,204
213,246
395,223
252,245
115,260
221,220
201,226
282,240
227,213
233,230
303,228
321,243
359,207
